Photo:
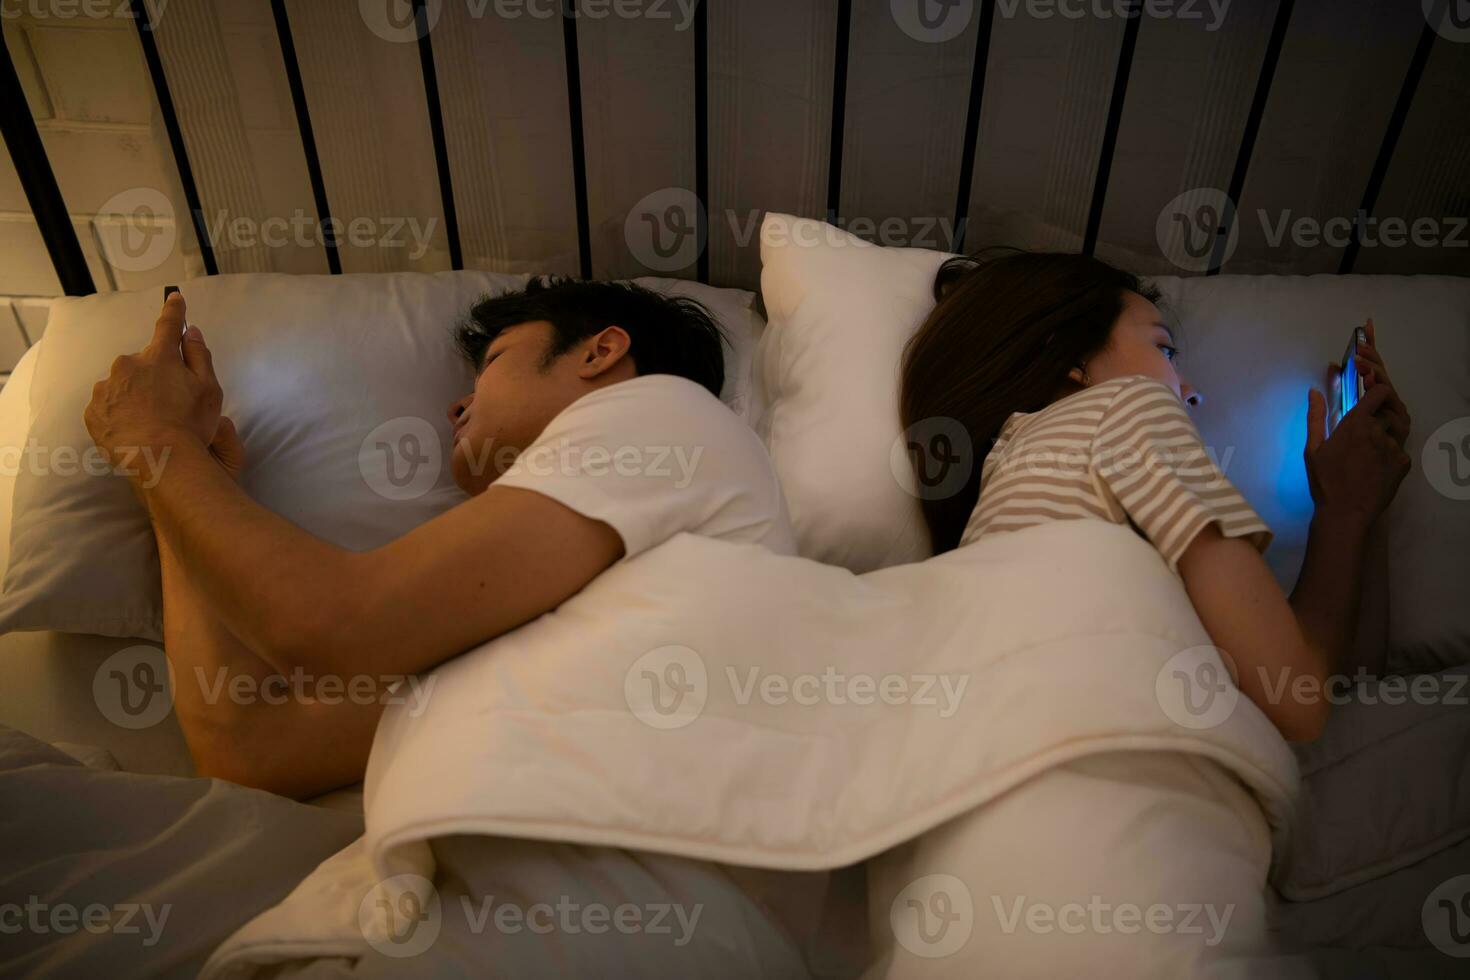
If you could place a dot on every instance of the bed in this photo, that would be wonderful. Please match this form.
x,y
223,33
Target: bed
x,y
1361,917
912,137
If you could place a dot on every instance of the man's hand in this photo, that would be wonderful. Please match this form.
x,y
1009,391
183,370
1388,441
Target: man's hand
x,y
1355,473
228,449
165,392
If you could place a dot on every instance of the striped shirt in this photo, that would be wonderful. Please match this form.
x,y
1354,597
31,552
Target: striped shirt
x,y
1123,451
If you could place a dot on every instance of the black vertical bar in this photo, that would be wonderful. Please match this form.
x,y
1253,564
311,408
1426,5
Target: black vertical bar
x,y
1252,130
579,145
701,131
143,17
436,128
1390,142
33,168
308,139
972,125
839,109
1110,135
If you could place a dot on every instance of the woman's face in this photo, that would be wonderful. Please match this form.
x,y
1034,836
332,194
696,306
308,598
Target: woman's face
x,y
1140,344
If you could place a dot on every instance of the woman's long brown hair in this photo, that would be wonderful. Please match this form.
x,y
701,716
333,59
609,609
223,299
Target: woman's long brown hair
x,y
1005,333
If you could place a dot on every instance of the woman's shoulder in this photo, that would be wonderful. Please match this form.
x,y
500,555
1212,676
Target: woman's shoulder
x,y
1135,388
1131,395
1141,409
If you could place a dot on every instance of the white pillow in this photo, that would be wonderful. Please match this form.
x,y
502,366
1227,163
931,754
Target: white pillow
x,y
311,367
15,422
840,311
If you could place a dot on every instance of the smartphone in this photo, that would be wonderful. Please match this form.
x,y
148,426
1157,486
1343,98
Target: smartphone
x,y
169,291
1350,386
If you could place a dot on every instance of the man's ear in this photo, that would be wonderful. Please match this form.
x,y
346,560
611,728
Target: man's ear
x,y
604,352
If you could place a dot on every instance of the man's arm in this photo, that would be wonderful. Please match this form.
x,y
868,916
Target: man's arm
x,y
479,570
490,564
296,739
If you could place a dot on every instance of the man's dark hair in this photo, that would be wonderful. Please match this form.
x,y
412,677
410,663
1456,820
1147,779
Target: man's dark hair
x,y
669,334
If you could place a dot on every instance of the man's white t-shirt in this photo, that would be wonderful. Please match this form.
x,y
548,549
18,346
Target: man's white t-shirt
x,y
654,456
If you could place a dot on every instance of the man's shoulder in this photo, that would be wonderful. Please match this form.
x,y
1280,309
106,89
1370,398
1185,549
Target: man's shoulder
x,y
670,406
673,458
659,389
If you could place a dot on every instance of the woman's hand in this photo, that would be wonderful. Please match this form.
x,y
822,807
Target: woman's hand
x,y
1375,373
1355,473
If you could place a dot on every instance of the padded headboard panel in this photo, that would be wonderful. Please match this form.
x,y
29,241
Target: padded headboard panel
x,y
155,140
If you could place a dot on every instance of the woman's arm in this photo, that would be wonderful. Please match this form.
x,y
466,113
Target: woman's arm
x,y
1353,475
1248,618
1329,588
1285,651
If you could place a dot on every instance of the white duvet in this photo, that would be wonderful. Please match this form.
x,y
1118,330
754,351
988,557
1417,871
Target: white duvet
x,y
719,702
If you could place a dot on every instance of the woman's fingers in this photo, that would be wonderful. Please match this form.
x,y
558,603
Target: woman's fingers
x,y
1375,375
1316,420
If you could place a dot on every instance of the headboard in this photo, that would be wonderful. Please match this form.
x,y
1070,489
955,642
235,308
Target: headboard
x,y
154,140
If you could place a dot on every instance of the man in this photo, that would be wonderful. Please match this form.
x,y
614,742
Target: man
x,y
593,432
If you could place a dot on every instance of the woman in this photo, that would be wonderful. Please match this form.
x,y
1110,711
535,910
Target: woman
x,y
1063,368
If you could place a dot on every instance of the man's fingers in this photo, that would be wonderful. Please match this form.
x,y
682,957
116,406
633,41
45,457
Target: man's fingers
x,y
1368,328
170,324
226,430
197,357
1316,419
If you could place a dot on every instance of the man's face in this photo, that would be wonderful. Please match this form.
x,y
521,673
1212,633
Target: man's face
x,y
516,394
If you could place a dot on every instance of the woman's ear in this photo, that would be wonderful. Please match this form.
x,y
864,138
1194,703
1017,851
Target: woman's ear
x,y
1078,375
